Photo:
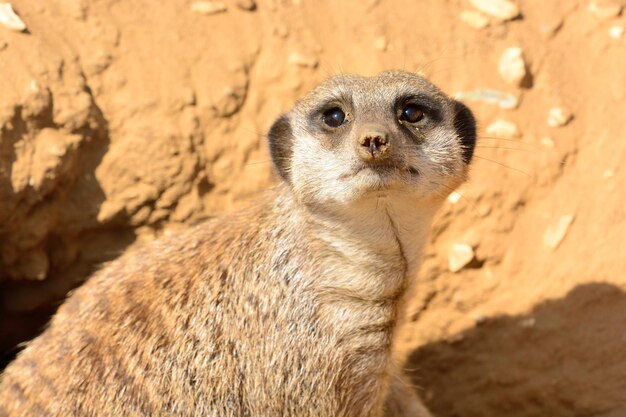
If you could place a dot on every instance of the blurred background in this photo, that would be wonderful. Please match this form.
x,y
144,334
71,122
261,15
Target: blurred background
x,y
122,120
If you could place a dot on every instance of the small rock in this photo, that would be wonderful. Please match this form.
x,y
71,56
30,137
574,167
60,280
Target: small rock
x,y
474,19
460,255
500,9
9,19
528,323
615,32
208,7
454,197
479,318
555,234
380,43
3,45
512,67
249,5
605,10
302,60
559,117
608,173
503,129
547,141
502,100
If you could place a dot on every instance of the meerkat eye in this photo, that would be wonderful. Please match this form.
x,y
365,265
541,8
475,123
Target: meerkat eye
x,y
334,117
411,113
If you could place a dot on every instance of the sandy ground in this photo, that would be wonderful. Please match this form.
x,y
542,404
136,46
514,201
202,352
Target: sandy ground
x,y
121,120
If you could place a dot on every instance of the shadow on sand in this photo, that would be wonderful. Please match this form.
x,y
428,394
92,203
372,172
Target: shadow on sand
x,y
565,358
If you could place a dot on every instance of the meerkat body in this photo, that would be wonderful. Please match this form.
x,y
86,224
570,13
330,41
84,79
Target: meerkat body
x,y
286,308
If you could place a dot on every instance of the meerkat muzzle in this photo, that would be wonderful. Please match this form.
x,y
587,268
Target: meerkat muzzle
x,y
373,143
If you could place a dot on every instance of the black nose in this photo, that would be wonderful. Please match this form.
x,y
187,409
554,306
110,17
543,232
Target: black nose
x,y
374,142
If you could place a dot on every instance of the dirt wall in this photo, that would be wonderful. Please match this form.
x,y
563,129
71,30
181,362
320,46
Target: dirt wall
x,y
123,120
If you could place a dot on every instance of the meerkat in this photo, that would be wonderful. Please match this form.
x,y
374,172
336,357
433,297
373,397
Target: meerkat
x,y
286,308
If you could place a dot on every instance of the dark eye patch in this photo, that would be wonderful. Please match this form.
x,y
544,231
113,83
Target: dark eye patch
x,y
425,104
331,114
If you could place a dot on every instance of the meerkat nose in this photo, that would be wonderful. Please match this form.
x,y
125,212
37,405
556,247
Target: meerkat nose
x,y
374,142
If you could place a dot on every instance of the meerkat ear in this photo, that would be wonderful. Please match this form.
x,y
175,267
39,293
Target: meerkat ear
x,y
465,126
281,146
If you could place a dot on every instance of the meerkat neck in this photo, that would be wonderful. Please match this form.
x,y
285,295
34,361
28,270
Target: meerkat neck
x,y
376,244
365,259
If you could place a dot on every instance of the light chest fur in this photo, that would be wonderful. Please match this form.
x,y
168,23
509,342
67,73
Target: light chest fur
x,y
221,319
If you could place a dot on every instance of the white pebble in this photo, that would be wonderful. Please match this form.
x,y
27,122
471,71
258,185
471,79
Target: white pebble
x,y
559,117
460,255
616,31
500,9
454,197
605,10
9,19
302,60
555,234
248,5
474,19
502,100
512,66
208,7
503,129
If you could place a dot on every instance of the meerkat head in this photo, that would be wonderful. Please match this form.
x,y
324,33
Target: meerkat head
x,y
354,137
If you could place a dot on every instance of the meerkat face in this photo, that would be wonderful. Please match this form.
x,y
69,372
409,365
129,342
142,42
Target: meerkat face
x,y
354,137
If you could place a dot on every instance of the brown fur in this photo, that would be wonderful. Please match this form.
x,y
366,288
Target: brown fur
x,y
275,310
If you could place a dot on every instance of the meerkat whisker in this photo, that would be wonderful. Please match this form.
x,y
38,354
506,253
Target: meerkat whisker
x,y
519,142
503,165
505,148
